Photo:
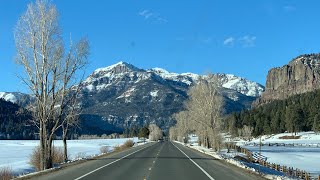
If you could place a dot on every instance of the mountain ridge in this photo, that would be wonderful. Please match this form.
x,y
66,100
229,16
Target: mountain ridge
x,y
122,95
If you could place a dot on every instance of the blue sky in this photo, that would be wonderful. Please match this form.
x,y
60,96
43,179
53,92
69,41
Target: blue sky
x,y
245,38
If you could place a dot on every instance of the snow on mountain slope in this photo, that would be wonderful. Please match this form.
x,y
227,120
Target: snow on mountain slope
x,y
243,86
8,97
187,78
121,70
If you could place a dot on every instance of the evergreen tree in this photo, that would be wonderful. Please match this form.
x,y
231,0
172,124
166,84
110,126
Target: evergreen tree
x,y
316,124
143,132
297,113
289,119
297,119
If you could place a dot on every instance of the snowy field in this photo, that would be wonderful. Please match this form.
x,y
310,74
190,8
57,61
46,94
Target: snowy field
x,y
302,153
306,138
16,153
304,158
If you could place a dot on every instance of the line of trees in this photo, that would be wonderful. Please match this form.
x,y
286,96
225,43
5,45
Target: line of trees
x,y
51,71
151,131
297,113
202,115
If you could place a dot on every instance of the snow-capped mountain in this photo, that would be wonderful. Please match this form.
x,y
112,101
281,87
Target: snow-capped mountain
x,y
16,97
123,95
229,81
241,85
9,96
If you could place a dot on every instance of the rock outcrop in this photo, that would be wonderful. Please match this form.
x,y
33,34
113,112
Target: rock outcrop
x,y
301,75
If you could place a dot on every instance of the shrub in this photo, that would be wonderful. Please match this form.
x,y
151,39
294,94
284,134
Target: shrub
x,y
104,149
6,173
80,155
117,148
128,144
57,157
125,145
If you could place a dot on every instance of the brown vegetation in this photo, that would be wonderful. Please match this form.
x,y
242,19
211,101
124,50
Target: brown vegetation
x,y
57,157
126,145
6,173
289,137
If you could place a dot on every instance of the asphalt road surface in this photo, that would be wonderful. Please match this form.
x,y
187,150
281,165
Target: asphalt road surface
x,y
154,161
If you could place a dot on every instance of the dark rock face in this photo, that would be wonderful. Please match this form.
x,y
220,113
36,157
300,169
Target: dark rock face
x,y
301,75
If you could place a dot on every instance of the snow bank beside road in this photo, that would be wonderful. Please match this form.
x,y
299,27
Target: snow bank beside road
x,y
16,153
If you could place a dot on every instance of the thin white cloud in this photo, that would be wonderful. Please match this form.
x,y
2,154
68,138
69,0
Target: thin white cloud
x,y
146,14
149,15
289,8
248,41
229,41
244,41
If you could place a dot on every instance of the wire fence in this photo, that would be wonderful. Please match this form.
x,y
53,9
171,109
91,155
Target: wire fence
x,y
284,144
262,160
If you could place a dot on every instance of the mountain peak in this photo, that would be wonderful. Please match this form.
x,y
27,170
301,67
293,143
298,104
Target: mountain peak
x,y
117,68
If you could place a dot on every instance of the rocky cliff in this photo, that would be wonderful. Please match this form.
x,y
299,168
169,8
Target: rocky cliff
x,y
301,75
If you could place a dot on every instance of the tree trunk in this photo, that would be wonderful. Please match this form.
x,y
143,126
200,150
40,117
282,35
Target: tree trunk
x,y
49,163
42,147
64,139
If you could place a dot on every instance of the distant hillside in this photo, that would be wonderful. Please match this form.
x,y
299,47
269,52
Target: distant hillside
x,y
296,113
15,122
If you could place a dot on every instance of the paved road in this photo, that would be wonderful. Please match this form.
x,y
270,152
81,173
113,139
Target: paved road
x,y
155,161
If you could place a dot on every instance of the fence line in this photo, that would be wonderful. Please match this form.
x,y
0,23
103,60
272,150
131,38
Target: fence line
x,y
285,144
262,160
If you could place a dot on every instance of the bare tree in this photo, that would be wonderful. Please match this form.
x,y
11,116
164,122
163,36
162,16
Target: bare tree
x,y
50,69
183,126
246,132
155,132
71,118
204,111
173,133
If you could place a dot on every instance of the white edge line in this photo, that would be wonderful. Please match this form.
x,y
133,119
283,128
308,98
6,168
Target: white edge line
x,y
205,172
108,164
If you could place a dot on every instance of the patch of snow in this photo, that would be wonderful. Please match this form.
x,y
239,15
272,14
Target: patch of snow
x,y
128,93
109,67
154,93
8,97
102,87
243,86
90,87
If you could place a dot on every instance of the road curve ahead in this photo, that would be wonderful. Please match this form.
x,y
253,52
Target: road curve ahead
x,y
155,161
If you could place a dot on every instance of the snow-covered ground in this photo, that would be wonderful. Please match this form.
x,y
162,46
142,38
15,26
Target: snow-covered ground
x,y
303,158
15,154
306,138
302,153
